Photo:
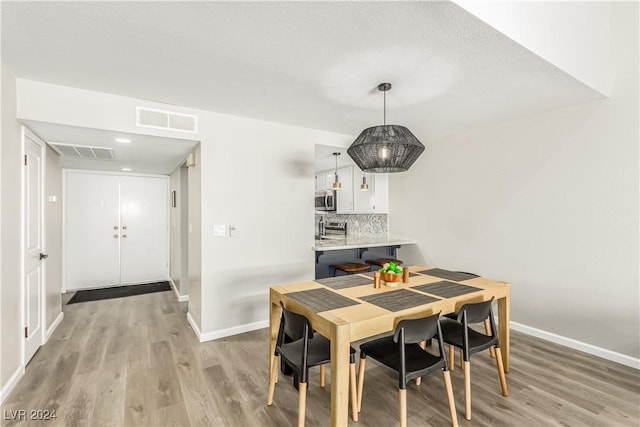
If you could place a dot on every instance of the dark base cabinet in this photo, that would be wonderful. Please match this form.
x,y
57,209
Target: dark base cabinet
x,y
326,258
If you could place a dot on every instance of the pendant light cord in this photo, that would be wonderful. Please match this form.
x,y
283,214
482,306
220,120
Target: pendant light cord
x,y
384,108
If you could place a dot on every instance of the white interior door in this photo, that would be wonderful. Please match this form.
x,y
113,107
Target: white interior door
x,y
117,230
92,230
33,243
144,247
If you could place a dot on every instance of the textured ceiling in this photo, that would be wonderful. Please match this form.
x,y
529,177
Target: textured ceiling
x,y
312,64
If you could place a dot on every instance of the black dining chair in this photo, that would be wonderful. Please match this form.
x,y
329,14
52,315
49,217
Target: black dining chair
x,y
403,353
306,350
457,333
486,321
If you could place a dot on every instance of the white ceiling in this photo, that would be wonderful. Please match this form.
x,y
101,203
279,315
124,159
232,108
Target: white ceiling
x,y
312,64
145,154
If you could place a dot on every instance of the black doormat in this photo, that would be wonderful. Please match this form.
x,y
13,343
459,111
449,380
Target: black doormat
x,y
119,292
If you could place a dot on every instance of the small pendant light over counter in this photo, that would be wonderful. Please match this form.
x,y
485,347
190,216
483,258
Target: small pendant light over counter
x,y
336,183
364,186
385,148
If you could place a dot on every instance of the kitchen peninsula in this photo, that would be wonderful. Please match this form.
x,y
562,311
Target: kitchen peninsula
x,y
354,249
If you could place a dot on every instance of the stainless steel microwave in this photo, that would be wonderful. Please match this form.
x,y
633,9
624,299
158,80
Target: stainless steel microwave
x,y
326,200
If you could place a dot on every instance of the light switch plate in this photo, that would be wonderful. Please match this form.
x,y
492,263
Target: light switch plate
x,y
219,230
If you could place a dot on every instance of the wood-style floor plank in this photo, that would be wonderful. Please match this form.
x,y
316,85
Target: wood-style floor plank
x,y
135,361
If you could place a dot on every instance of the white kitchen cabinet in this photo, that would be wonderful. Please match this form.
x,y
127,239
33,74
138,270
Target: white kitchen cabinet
x,y
363,201
344,196
350,198
381,192
329,178
376,199
324,180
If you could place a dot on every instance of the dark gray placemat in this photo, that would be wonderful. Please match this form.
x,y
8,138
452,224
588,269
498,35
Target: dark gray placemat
x,y
321,299
370,274
342,282
446,289
449,275
398,300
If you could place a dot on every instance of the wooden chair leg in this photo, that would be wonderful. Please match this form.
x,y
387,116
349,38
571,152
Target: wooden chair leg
x,y
461,359
302,403
452,358
272,380
467,390
353,391
487,329
322,376
403,407
360,382
277,370
422,345
503,380
452,403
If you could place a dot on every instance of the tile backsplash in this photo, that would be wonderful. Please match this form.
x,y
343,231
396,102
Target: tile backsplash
x,y
358,224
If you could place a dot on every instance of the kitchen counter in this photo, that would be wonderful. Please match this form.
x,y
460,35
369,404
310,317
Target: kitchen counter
x,y
360,242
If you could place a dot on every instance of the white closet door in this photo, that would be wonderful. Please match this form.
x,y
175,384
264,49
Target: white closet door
x,y
92,231
144,254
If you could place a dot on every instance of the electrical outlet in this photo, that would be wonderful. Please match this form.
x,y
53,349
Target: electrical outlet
x,y
233,230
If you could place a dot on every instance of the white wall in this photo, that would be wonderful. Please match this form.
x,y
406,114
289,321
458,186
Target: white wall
x,y
53,238
254,174
549,203
572,35
10,223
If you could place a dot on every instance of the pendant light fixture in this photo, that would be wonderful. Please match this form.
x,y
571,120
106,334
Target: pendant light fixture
x,y
385,148
336,183
364,186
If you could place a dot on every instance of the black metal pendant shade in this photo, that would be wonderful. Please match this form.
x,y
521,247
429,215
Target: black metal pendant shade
x,y
385,148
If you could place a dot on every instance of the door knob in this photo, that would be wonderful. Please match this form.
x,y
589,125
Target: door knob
x,y
124,236
43,256
115,236
115,227
124,227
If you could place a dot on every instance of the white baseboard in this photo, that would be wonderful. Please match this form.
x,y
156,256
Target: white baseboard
x,y
235,330
53,327
578,345
194,326
6,389
181,298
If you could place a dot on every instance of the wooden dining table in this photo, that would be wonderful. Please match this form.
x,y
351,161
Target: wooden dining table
x,y
348,308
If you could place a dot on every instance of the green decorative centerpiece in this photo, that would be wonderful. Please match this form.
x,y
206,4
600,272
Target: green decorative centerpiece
x,y
391,273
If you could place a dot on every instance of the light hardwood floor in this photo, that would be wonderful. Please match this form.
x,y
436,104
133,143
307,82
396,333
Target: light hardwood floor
x,y
136,361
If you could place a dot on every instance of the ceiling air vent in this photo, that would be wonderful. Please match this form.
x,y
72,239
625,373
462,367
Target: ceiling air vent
x,y
166,120
83,151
